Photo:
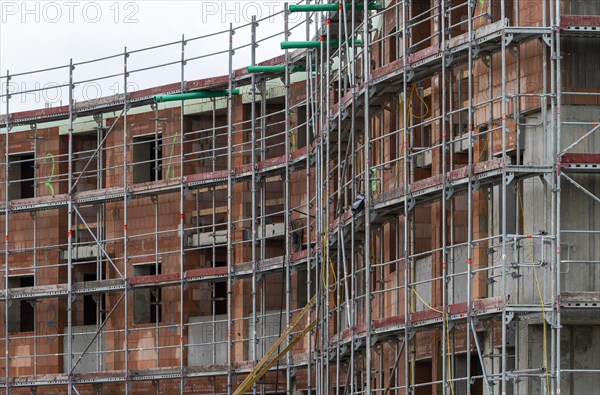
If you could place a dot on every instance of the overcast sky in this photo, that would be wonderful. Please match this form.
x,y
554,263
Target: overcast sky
x,y
44,34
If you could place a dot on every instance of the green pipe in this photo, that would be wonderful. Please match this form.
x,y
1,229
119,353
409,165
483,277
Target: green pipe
x,y
330,7
48,183
194,95
275,69
312,44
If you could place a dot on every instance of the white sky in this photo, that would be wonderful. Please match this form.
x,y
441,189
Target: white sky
x,y
43,34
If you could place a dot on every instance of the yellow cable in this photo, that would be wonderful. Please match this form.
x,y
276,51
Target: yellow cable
x,y
171,156
326,281
425,303
359,159
264,364
412,92
447,336
449,363
326,259
539,290
486,145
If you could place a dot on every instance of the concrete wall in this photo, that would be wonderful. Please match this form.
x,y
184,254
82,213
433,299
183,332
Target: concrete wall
x,y
579,350
202,333
82,337
578,211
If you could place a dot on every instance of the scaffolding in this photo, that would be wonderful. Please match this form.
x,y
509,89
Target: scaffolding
x,y
404,202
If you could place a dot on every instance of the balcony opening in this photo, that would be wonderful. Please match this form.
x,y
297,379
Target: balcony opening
x,y
423,371
91,314
147,158
147,301
299,138
220,293
393,46
88,165
21,312
302,279
584,7
582,56
21,176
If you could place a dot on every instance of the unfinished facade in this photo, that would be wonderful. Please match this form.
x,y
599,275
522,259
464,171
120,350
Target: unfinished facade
x,y
408,208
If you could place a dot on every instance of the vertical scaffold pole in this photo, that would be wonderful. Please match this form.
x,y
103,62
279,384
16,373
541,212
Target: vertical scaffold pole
x,y
503,205
337,209
229,207
253,186
35,266
125,199
445,329
308,128
6,245
288,259
263,199
367,173
213,227
405,181
70,238
353,193
557,188
325,201
263,196
319,213
470,193
181,223
155,200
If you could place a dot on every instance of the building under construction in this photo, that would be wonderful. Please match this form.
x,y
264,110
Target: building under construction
x,y
404,201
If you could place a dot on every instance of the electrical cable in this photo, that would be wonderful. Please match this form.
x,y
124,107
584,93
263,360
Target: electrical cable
x,y
539,291
447,334
414,90
49,182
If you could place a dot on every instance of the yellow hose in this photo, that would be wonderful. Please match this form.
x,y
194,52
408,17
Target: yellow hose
x,y
48,183
539,290
414,90
447,336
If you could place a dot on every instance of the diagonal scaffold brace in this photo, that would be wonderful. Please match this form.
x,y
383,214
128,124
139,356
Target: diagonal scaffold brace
x,y
267,362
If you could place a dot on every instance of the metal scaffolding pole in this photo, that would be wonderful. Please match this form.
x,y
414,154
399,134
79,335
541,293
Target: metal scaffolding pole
x,y
445,330
125,201
288,255
321,328
503,205
6,235
310,128
367,174
326,135
337,209
556,55
35,267
354,194
229,208
213,228
182,184
470,192
253,191
405,186
70,237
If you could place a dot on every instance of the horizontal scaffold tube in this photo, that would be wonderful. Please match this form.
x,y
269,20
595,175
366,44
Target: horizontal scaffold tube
x,y
330,7
276,69
313,44
194,95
